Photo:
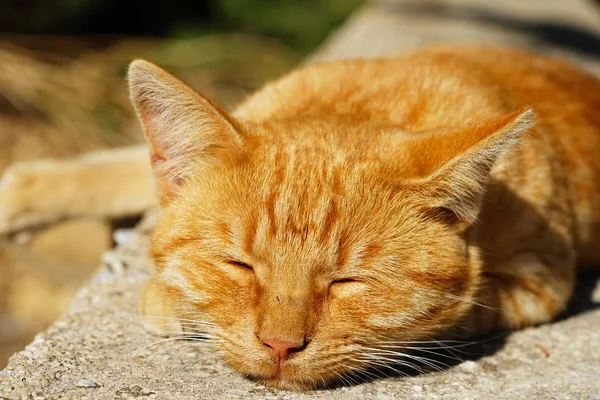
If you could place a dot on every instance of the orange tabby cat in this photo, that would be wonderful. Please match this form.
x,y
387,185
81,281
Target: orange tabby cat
x,y
355,207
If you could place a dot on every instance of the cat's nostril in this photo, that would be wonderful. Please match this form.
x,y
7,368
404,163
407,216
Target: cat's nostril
x,y
280,350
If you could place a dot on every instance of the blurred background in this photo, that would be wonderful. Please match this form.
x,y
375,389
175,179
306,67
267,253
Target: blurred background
x,y
62,93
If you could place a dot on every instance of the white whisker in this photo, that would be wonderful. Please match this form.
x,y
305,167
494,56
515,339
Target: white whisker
x,y
182,337
149,316
472,302
421,349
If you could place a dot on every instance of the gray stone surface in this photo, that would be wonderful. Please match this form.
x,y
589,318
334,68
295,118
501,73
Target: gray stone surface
x,y
565,28
98,349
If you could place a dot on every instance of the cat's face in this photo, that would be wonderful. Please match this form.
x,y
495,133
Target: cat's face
x,y
308,246
312,246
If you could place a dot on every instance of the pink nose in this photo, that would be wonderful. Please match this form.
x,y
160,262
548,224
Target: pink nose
x,y
280,350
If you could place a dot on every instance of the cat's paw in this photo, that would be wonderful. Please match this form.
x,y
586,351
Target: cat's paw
x,y
156,313
19,187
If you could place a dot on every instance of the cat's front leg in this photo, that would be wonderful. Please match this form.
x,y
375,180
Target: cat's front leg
x,y
527,289
108,183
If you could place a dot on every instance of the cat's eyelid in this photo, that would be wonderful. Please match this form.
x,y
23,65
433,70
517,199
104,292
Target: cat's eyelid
x,y
348,280
240,264
349,286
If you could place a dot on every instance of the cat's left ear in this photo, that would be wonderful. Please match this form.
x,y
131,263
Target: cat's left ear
x,y
450,171
181,127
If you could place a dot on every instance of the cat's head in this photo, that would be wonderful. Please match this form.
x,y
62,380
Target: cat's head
x,y
313,245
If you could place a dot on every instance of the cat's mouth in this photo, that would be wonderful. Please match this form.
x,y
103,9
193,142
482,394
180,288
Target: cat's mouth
x,y
282,376
280,379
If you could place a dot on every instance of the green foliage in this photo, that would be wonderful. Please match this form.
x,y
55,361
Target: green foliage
x,y
303,24
300,24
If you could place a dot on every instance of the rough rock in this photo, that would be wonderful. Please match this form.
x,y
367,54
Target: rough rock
x,y
41,271
99,350
35,290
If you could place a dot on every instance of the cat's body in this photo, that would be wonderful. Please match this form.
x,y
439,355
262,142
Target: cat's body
x,y
362,205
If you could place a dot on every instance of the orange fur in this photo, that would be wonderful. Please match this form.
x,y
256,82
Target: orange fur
x,y
351,206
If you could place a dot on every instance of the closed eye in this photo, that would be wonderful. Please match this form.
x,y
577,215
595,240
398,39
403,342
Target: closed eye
x,y
345,280
347,287
240,264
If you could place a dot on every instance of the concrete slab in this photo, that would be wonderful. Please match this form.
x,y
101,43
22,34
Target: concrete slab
x,y
568,29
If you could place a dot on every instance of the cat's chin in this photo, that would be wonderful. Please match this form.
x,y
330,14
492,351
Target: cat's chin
x,y
283,381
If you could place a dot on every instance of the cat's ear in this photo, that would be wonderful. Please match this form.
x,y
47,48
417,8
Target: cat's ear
x,y
181,127
451,170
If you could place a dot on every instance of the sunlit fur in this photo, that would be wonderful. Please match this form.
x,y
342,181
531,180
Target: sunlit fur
x,y
380,204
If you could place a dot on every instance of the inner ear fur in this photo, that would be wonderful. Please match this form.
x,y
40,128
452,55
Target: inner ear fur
x,y
450,170
180,125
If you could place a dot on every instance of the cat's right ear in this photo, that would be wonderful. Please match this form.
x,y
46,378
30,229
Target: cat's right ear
x,y
181,127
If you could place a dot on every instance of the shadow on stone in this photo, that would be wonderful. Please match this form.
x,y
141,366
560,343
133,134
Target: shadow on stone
x,y
545,32
436,357
583,297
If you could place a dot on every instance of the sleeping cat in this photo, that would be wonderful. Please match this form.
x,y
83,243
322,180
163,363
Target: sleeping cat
x,y
356,207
